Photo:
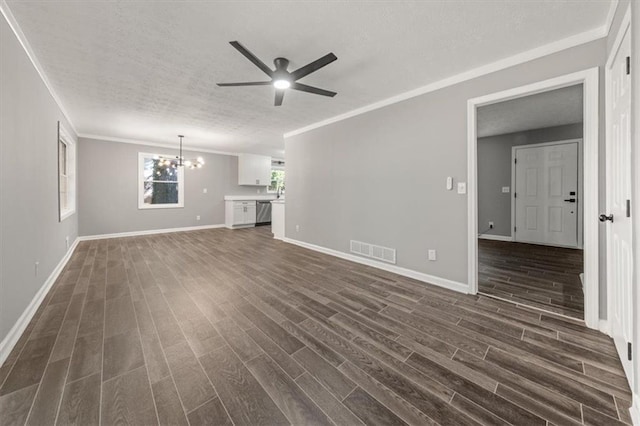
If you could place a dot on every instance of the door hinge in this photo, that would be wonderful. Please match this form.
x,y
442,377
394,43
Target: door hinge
x,y
515,161
629,350
628,65
628,208
514,229
515,195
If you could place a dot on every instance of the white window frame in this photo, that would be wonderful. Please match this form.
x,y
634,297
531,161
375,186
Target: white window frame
x,y
141,203
64,137
274,167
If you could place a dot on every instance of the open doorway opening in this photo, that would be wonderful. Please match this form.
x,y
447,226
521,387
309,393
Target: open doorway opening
x,y
530,212
542,251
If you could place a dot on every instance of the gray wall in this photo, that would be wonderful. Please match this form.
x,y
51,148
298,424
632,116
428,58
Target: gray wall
x,y
494,172
29,227
380,177
109,195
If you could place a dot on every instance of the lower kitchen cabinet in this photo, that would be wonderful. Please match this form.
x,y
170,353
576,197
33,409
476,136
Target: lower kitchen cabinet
x,y
240,214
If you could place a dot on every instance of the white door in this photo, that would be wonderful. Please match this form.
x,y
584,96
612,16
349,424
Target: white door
x,y
546,194
619,254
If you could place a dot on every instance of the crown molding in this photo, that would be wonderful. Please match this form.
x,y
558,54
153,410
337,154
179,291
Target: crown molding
x,y
154,144
22,39
520,58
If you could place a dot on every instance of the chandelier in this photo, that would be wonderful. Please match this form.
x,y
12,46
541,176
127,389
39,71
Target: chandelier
x,y
179,160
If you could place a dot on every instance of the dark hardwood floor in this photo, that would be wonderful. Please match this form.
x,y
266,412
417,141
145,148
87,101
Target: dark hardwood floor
x,y
232,327
533,275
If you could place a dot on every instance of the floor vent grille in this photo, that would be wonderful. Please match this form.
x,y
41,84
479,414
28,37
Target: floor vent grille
x,y
384,254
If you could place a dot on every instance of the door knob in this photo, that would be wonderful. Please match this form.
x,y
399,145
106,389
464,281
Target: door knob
x,y
570,200
604,218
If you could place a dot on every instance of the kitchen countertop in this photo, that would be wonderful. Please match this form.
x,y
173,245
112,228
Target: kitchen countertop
x,y
279,201
250,197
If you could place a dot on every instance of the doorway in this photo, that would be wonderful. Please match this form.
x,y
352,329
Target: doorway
x,y
537,161
588,260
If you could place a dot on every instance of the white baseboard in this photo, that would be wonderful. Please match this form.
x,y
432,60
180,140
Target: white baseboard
x,y
429,279
147,232
603,326
635,410
495,237
7,344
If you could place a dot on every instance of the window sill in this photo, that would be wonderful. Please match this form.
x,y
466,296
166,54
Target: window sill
x,y
160,206
66,214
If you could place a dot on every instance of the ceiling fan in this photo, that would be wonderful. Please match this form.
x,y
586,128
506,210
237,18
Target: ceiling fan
x,y
282,79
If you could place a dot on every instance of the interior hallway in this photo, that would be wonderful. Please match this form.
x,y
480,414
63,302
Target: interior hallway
x,y
535,275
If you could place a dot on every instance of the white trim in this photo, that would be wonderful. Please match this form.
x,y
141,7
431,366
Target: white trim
x,y
603,326
154,144
147,232
13,24
611,15
10,340
624,26
72,154
495,237
429,279
590,80
520,58
635,410
580,204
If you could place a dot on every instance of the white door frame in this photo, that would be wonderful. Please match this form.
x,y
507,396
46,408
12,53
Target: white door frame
x,y
589,78
580,203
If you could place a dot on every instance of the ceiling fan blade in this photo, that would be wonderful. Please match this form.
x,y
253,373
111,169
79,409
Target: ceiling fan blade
x,y
311,89
279,97
247,83
313,66
253,58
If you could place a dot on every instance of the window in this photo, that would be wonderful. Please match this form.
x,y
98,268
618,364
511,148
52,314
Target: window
x,y
160,182
277,177
66,174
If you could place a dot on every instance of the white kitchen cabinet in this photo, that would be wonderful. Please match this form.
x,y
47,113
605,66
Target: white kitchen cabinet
x,y
277,219
254,170
240,214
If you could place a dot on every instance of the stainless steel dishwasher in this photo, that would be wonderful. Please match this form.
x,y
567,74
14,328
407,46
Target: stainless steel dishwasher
x,y
263,213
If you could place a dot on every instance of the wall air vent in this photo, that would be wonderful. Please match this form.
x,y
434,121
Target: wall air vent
x,y
384,254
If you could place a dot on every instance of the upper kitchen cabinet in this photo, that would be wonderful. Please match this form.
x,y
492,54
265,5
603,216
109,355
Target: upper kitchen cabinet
x,y
254,170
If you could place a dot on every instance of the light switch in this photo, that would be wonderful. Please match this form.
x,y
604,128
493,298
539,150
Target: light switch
x,y
505,189
449,183
462,187
204,190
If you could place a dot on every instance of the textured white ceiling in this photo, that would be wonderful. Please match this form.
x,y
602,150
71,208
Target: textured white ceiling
x,y
547,109
147,71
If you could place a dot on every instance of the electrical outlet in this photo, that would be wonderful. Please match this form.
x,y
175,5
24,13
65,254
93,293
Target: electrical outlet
x,y
204,190
297,228
490,225
66,241
432,255
505,189
198,217
36,267
462,187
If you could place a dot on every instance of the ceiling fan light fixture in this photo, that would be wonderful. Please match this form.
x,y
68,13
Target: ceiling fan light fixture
x,y
281,84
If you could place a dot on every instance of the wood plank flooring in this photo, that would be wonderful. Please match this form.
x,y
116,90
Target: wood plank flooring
x,y
233,327
533,275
